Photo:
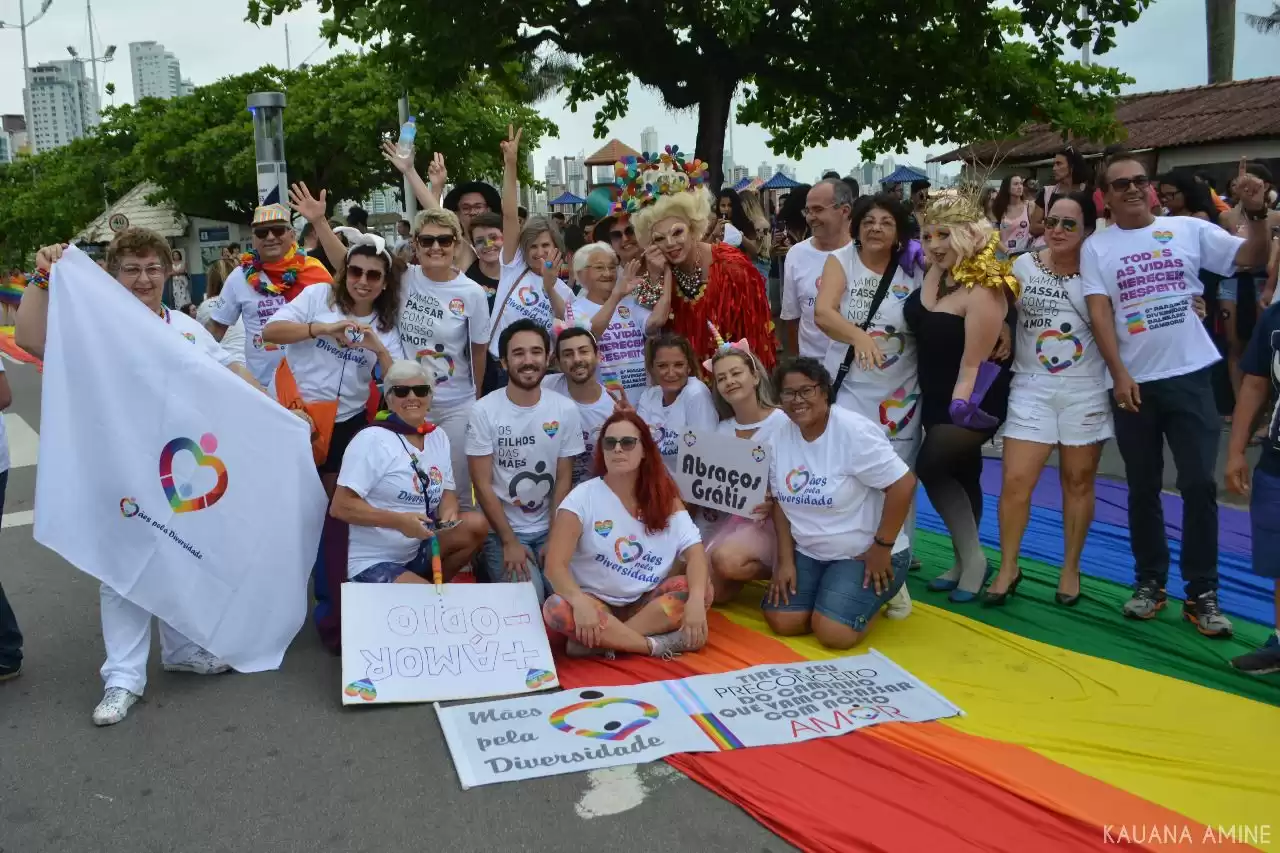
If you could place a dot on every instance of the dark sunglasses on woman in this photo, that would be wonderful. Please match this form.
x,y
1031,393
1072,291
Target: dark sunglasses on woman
x,y
628,442
629,231
357,273
1068,224
403,391
426,241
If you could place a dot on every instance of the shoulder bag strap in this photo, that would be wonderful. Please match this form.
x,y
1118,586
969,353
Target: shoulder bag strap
x,y
876,300
493,324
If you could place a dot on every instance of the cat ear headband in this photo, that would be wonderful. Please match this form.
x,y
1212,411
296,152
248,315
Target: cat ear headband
x,y
723,346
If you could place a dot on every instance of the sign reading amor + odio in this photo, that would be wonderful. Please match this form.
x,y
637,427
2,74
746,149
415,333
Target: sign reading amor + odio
x,y
723,472
596,727
409,643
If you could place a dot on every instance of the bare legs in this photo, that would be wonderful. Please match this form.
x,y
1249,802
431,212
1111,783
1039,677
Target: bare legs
x,y
1079,469
832,634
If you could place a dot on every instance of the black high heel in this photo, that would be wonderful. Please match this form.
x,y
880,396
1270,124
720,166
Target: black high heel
x,y
997,599
1066,600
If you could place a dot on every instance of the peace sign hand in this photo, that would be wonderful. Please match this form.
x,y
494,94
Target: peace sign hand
x,y
511,145
437,174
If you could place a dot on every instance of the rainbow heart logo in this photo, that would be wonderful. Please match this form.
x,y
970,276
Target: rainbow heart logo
x,y
887,340
604,528
363,688
179,495
440,362
690,439
527,295
901,289
129,507
627,549
190,337
797,479
551,428
1053,344
1162,237
536,679
897,411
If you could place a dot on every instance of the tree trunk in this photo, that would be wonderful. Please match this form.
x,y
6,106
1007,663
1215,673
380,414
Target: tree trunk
x,y
713,119
1220,32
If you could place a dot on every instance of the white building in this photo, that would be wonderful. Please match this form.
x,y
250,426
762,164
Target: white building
x,y
739,173
575,176
13,137
555,172
156,72
648,140
61,103
382,201
765,172
186,87
789,171
933,171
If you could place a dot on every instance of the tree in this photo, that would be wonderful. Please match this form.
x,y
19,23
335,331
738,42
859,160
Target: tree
x,y
1265,24
199,149
1220,33
813,70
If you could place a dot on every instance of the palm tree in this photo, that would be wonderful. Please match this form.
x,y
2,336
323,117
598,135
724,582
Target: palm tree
x,y
1220,29
1265,24
543,76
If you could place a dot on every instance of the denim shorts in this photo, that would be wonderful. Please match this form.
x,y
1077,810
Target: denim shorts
x,y
835,589
495,572
1264,519
389,572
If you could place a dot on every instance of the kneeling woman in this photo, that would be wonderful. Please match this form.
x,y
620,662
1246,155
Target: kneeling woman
x,y
396,490
613,551
841,550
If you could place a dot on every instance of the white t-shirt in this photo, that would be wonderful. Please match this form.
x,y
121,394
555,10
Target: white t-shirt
x,y
831,489
321,367
888,395
622,345
592,415
1054,336
772,422
692,409
240,300
801,276
4,440
233,340
439,321
198,335
615,560
1151,275
526,444
378,466
523,295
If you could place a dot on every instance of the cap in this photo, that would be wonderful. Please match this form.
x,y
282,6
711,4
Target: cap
x,y
271,214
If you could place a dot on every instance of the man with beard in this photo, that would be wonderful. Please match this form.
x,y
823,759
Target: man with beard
x,y
579,380
521,443
828,209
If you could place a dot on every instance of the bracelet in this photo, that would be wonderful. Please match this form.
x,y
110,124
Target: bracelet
x,y
40,278
882,543
1256,216
310,334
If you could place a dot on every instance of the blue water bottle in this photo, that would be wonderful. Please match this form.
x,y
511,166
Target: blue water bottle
x,y
408,131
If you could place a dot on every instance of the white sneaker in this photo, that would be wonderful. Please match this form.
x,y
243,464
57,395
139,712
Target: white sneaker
x,y
668,645
200,663
899,607
114,706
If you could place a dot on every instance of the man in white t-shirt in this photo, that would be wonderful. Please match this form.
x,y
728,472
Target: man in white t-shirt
x,y
10,636
1140,278
579,380
521,444
829,212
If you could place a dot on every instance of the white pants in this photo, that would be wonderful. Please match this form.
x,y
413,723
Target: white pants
x,y
453,421
126,632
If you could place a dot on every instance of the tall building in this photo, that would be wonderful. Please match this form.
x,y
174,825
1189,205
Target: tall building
x,y
867,177
740,173
789,171
765,172
156,72
13,137
648,140
383,200
555,172
61,103
933,171
186,87
575,176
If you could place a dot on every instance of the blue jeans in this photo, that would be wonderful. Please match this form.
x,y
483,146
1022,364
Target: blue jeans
x,y
1264,518
10,636
834,589
491,557
389,572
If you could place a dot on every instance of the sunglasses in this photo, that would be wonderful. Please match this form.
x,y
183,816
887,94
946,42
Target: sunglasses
x,y
1068,224
274,231
627,442
1122,184
629,231
358,273
403,391
426,241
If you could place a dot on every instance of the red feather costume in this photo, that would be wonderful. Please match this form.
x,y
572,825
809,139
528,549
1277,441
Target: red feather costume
x,y
734,298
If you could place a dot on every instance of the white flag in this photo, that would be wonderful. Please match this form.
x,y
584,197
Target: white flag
x,y
170,479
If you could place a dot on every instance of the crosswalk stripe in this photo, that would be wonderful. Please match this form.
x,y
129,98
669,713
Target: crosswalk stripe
x,y
24,442
18,519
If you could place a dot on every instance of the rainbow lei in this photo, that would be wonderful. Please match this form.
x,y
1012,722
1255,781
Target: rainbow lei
x,y
251,264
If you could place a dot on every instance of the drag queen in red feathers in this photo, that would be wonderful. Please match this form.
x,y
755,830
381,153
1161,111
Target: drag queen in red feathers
x,y
668,202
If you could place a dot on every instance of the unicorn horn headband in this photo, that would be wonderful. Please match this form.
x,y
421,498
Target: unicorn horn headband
x,y
723,346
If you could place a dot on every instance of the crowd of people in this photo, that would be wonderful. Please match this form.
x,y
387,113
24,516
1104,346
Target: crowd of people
x,y
528,425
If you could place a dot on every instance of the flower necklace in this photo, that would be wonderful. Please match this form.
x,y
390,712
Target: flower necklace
x,y
251,264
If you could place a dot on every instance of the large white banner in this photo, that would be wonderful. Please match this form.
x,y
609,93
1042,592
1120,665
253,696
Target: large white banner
x,y
409,643
590,728
170,479
723,472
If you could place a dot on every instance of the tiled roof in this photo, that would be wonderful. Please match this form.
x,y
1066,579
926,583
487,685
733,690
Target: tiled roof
x,y
161,218
1243,109
614,151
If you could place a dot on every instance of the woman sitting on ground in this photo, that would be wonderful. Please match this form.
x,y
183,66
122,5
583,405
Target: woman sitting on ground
x,y
613,552
742,549
396,490
841,551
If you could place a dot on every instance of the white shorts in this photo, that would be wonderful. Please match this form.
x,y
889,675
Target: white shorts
x,y
1069,410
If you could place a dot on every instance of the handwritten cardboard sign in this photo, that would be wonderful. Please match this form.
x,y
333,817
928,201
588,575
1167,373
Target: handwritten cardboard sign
x,y
722,472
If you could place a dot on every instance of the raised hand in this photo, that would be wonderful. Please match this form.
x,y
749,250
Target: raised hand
x,y
437,174
403,163
1250,190
306,205
511,145
551,270
628,279
49,255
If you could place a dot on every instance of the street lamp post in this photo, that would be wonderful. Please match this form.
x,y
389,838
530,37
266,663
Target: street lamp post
x,y
268,145
93,61
21,26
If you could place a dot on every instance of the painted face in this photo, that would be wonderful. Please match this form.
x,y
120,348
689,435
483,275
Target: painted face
x,y
937,241
671,369
470,205
412,409
673,238
600,274
1127,184
144,277
1061,168
626,452
735,382
542,247
435,248
487,242
273,241
826,219
366,277
578,359
802,399
526,361
878,232
1015,187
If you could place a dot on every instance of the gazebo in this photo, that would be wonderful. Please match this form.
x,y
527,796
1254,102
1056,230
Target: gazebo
x,y
613,151
903,175
566,199
779,181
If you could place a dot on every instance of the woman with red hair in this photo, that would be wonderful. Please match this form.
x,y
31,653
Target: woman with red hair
x,y
613,551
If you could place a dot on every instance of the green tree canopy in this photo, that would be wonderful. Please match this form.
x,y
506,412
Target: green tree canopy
x,y
199,149
813,70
